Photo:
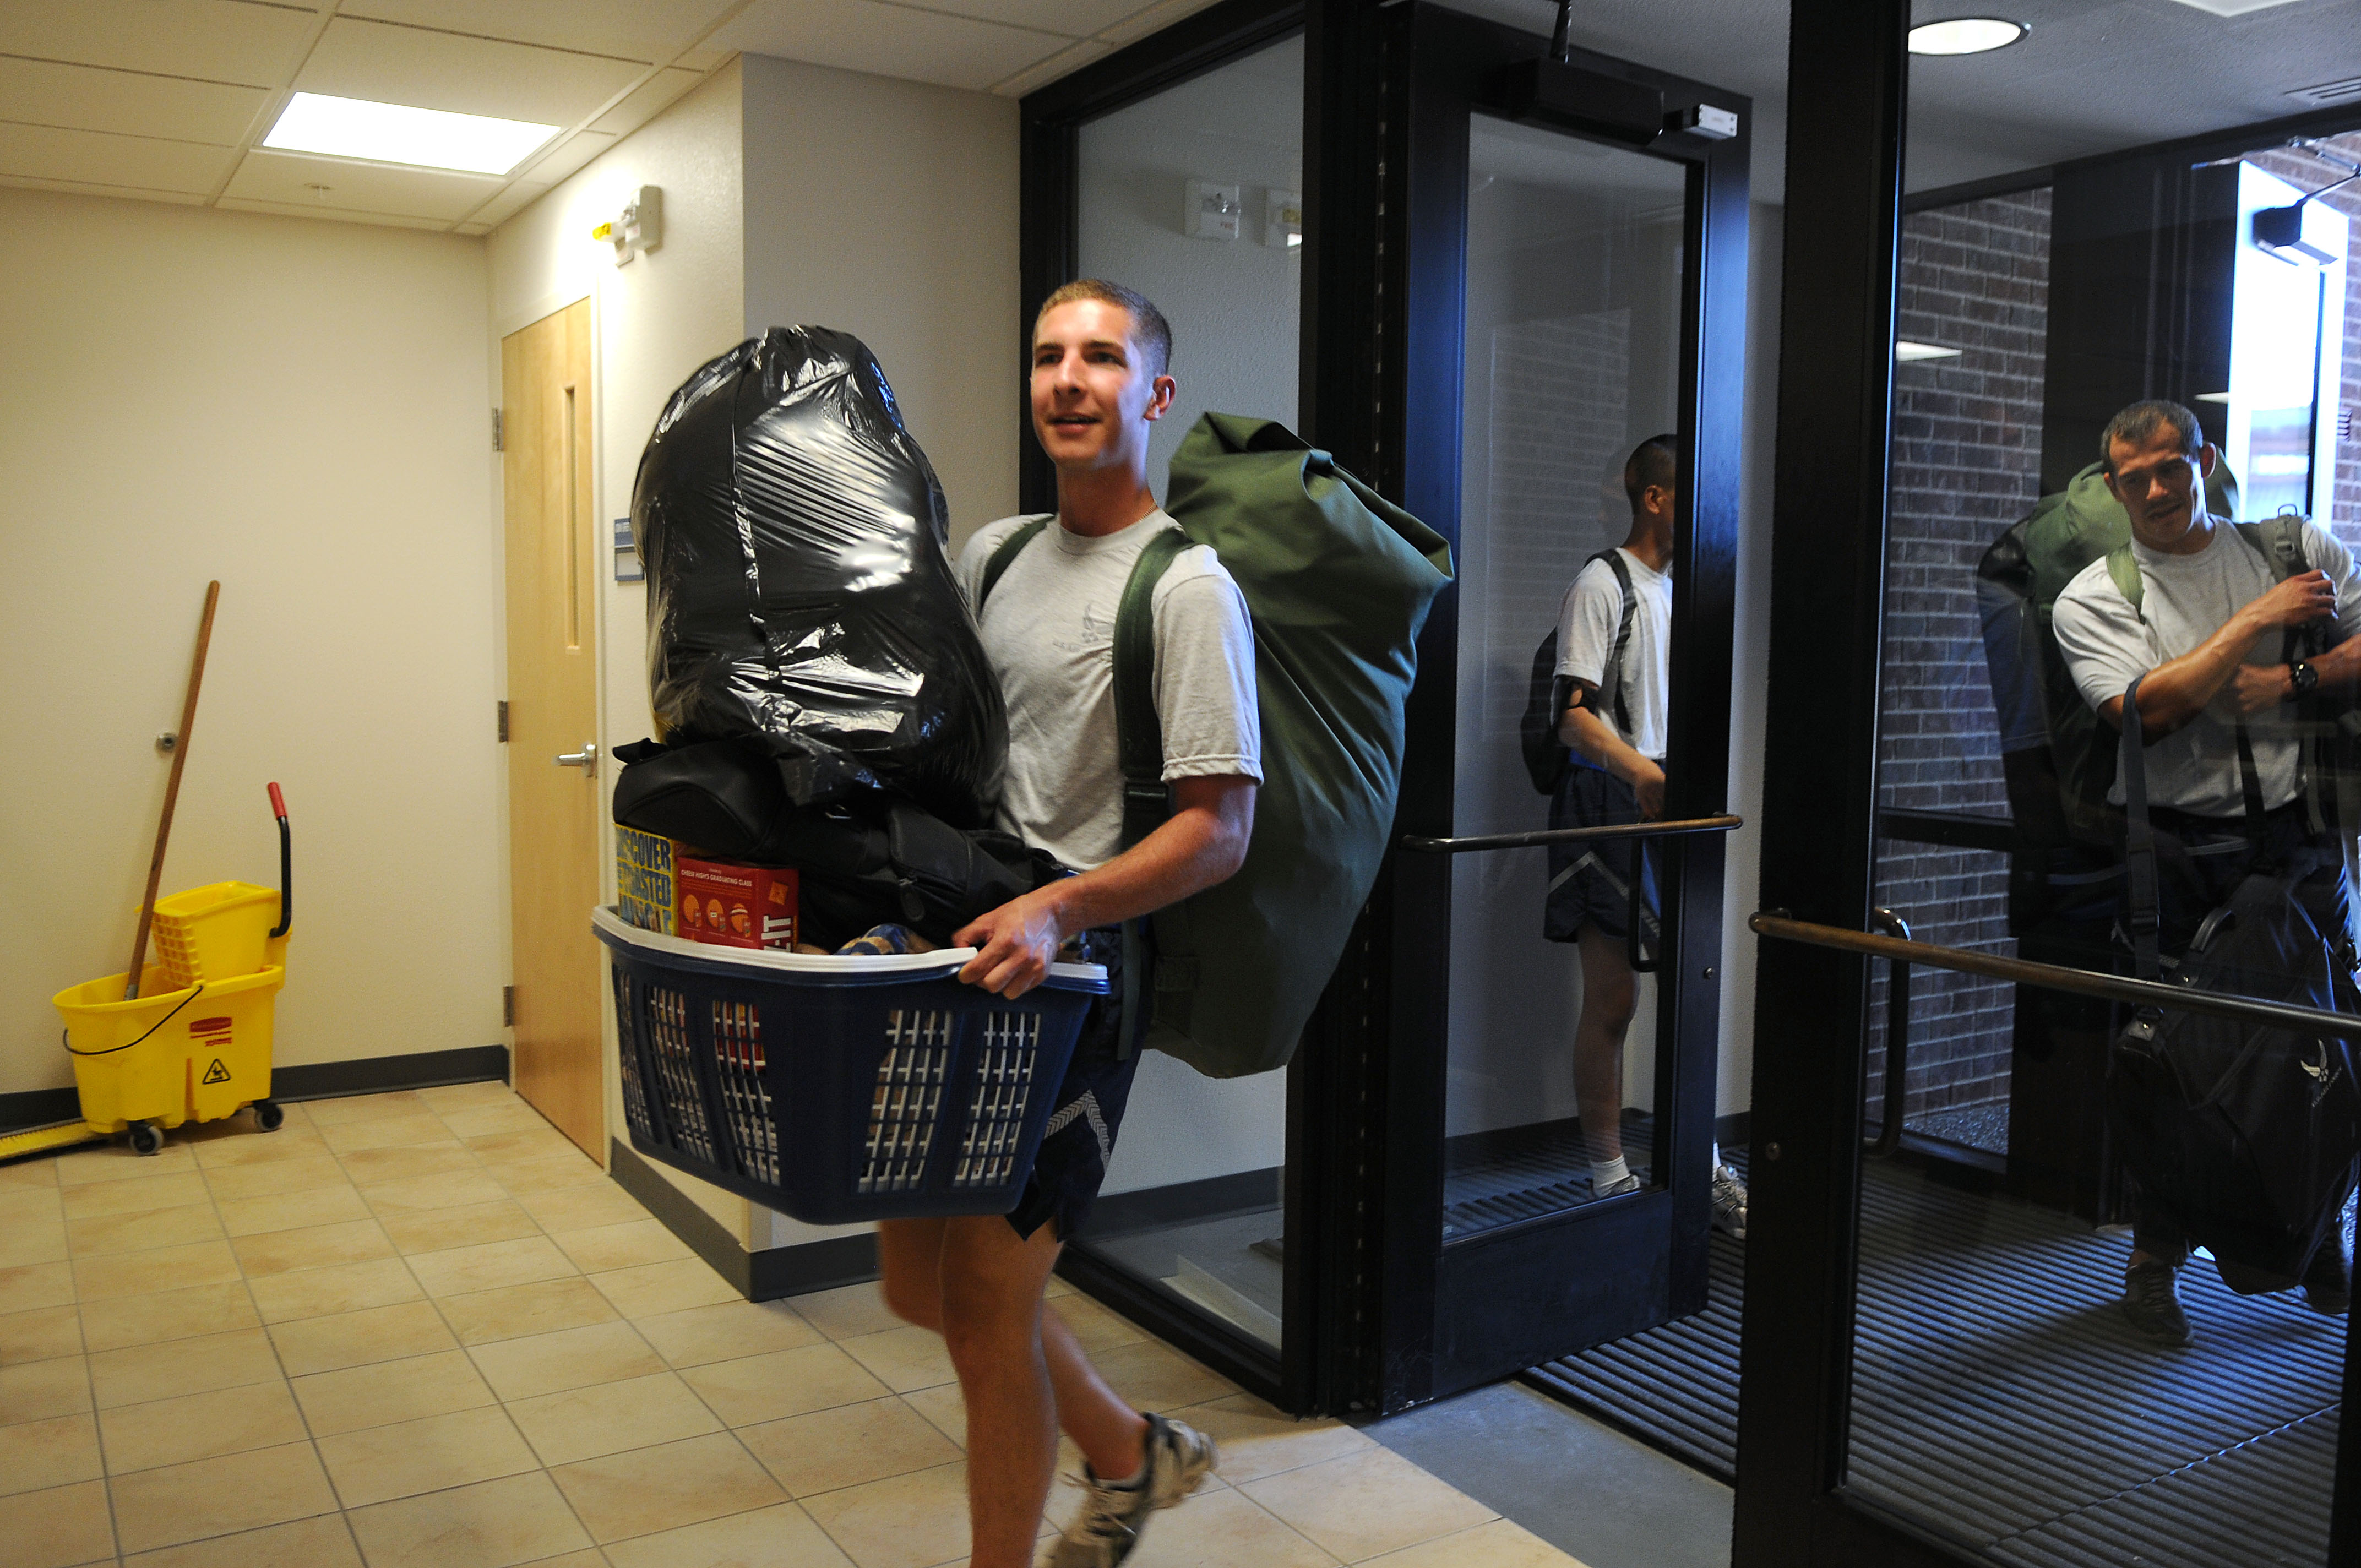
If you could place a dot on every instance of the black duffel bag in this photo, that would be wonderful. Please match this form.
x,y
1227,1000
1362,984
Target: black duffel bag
x,y
2247,1133
869,860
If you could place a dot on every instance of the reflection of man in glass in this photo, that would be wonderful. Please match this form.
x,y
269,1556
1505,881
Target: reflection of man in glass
x,y
2206,643
1614,647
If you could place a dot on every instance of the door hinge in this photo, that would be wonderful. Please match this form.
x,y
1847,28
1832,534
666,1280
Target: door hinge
x,y
499,444
504,721
507,1007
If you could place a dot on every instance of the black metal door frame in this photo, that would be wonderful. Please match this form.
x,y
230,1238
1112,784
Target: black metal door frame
x,y
1486,1306
1848,77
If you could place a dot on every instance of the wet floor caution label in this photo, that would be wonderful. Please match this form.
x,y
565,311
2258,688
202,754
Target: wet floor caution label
x,y
217,1073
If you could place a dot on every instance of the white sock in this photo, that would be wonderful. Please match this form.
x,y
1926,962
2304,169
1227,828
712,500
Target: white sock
x,y
1605,1175
1717,1154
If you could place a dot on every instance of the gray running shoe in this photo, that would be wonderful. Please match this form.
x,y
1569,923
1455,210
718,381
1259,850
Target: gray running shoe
x,y
1729,1203
1104,1534
1630,1183
2152,1302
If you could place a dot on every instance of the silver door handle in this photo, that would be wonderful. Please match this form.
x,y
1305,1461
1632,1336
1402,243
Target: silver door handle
x,y
585,759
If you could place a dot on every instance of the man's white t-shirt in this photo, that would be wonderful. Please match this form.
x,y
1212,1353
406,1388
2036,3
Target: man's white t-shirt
x,y
1586,622
1048,629
2185,601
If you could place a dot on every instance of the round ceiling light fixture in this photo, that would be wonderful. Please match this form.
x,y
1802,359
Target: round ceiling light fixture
x,y
1965,34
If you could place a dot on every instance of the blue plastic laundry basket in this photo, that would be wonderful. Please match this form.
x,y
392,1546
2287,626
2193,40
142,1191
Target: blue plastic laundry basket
x,y
838,1089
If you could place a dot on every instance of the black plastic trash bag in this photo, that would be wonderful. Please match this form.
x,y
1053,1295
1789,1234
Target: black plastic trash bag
x,y
800,598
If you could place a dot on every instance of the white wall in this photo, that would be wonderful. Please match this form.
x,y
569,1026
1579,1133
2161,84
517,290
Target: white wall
x,y
299,409
888,210
1749,682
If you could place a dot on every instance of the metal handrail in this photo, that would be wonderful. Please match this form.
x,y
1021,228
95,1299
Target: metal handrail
x,y
1571,835
2058,977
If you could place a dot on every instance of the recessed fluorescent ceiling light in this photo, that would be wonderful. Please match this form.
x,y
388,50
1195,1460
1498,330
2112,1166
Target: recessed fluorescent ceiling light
x,y
1907,351
391,133
1965,34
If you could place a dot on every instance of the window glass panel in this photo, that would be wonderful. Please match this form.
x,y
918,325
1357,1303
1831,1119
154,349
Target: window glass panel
x,y
1191,197
2101,1279
1572,331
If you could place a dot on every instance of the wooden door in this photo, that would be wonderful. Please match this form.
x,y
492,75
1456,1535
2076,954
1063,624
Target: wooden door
x,y
555,811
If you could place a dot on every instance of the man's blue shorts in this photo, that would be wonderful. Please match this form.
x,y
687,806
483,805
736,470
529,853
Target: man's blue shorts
x,y
1590,885
1090,1103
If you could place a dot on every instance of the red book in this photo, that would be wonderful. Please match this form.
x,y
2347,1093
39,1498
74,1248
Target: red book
x,y
732,906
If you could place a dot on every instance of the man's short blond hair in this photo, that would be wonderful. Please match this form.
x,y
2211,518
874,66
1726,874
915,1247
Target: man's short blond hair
x,y
1149,330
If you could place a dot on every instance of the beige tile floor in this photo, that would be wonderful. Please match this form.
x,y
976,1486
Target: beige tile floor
x,y
422,1330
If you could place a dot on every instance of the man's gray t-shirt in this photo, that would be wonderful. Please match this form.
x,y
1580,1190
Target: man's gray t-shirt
x,y
1586,624
2185,601
1048,629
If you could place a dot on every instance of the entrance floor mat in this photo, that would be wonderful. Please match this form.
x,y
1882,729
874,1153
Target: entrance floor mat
x,y
2000,1400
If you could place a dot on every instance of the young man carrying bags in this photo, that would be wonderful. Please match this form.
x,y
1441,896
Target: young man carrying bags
x,y
1098,384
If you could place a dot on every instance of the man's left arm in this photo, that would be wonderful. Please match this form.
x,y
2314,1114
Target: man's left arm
x,y
2259,686
1202,843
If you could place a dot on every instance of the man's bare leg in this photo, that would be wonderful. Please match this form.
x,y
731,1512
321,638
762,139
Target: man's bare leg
x,y
1608,995
1022,1373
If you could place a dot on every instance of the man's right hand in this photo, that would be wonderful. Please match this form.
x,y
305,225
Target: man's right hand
x,y
1648,784
2299,601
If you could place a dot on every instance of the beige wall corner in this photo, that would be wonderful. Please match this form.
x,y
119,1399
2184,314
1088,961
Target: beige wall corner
x,y
888,210
299,409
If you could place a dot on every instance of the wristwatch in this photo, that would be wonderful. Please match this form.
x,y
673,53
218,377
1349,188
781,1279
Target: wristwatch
x,y
2302,677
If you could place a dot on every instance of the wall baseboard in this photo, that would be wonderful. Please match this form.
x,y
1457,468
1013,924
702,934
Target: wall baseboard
x,y
312,1080
763,1276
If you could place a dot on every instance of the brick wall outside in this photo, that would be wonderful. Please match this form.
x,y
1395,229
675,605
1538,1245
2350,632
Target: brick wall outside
x,y
1967,465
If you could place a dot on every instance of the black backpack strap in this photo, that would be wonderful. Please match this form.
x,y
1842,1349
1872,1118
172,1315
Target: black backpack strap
x,y
1139,749
2250,785
2146,903
1005,557
1610,679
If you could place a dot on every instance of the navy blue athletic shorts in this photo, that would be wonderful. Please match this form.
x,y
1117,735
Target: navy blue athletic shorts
x,y
1590,885
1081,1140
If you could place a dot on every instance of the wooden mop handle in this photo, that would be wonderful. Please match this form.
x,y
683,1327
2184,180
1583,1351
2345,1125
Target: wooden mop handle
x,y
171,794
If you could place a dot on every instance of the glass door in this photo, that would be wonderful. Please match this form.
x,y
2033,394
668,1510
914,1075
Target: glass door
x,y
2041,1278
1188,191
1582,248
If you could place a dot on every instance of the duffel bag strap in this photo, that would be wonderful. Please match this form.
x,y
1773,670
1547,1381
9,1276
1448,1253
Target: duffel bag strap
x,y
2139,842
1139,751
2250,785
1005,557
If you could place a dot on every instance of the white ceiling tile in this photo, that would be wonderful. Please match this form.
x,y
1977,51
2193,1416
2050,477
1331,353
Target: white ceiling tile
x,y
703,59
521,194
86,98
1152,19
646,30
289,177
333,214
888,41
389,64
1074,19
218,40
44,152
647,101
1059,65
569,156
88,187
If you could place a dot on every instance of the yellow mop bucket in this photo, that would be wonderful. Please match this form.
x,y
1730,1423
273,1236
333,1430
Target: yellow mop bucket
x,y
197,1053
